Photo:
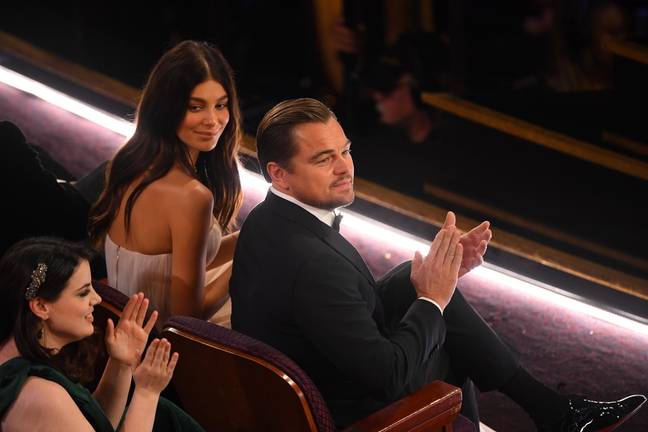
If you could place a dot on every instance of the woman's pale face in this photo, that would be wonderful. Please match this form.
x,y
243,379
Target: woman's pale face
x,y
70,316
205,119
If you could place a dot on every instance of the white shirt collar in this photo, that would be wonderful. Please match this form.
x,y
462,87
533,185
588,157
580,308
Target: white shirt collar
x,y
326,216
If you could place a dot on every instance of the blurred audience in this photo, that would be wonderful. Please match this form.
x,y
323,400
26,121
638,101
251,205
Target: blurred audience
x,y
580,60
405,136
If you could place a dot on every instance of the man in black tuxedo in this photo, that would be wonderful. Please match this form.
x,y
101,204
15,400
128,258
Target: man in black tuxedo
x,y
299,286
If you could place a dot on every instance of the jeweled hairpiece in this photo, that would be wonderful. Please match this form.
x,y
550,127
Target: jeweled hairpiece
x,y
37,279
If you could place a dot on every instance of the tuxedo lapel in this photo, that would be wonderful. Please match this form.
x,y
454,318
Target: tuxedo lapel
x,y
327,234
336,241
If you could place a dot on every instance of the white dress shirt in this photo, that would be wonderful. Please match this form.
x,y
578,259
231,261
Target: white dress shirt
x,y
326,216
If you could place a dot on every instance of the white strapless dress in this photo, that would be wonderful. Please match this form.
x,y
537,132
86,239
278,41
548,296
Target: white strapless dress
x,y
131,272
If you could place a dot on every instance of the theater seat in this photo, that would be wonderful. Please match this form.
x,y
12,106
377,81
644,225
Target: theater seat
x,y
112,303
111,306
228,381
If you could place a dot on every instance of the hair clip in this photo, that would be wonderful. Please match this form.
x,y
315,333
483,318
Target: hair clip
x,y
37,279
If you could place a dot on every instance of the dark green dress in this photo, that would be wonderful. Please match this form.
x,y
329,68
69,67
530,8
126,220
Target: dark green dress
x,y
14,373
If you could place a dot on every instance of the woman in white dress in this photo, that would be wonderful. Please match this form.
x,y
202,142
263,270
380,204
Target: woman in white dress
x,y
174,188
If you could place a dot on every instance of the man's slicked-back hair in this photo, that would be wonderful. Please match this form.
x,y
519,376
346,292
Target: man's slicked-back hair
x,y
274,138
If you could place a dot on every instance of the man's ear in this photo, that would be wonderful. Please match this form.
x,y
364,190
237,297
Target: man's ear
x,y
277,175
39,307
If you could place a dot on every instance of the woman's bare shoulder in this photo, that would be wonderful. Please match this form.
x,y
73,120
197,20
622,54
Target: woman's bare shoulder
x,y
48,405
178,185
42,392
184,197
179,191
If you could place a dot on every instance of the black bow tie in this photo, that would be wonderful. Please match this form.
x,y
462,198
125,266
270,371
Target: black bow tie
x,y
336,222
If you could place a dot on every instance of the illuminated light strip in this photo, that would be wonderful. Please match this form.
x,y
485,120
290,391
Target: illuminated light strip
x,y
550,294
253,180
48,94
386,234
355,221
490,272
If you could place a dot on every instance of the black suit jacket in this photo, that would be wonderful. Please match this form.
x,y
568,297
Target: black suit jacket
x,y
299,286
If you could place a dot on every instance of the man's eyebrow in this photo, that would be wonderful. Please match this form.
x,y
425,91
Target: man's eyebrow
x,y
326,152
320,154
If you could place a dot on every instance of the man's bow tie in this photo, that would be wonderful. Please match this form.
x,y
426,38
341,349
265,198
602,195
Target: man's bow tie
x,y
336,222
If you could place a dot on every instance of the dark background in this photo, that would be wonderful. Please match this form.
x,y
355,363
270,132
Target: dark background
x,y
274,51
272,46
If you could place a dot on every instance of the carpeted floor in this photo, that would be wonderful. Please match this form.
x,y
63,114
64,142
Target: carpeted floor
x,y
563,348
77,144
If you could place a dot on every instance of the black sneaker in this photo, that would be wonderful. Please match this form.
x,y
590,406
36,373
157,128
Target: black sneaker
x,y
588,416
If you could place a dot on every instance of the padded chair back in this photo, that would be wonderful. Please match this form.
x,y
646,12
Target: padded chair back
x,y
112,303
111,306
231,382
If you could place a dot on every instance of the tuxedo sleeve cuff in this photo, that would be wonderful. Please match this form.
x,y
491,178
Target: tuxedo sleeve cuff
x,y
433,302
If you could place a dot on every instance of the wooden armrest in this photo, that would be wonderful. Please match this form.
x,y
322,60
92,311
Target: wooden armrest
x,y
431,408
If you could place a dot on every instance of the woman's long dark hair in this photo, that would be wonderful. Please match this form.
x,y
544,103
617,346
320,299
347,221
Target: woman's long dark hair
x,y
155,146
16,318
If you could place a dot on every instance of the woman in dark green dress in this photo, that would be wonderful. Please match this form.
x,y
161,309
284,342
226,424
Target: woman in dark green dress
x,y
45,320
